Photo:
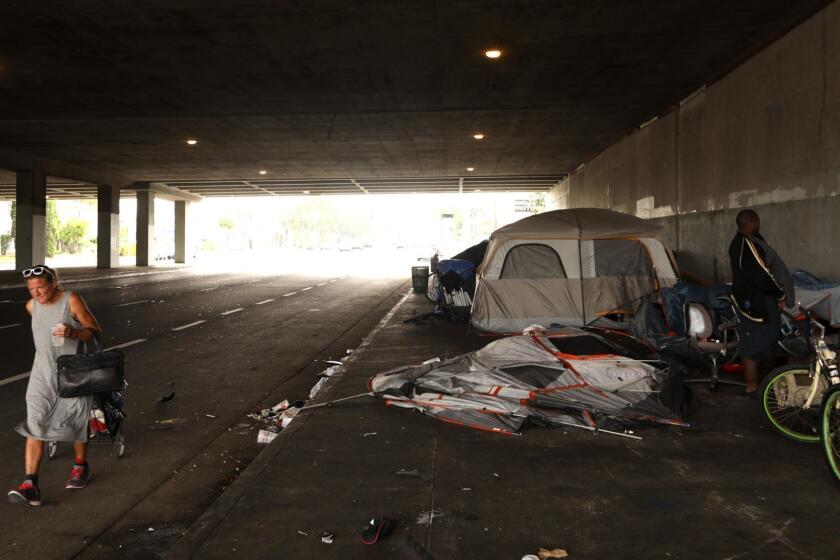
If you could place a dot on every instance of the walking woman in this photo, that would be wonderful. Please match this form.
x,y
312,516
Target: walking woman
x,y
60,319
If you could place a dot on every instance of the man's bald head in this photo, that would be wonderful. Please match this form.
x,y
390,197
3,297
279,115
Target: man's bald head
x,y
748,221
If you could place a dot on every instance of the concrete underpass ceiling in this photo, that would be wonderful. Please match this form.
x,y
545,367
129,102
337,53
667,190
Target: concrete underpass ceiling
x,y
354,97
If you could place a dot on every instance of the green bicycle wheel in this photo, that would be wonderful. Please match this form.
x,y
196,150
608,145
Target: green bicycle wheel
x,y
783,394
830,430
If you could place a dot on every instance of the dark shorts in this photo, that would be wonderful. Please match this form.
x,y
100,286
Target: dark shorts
x,y
757,340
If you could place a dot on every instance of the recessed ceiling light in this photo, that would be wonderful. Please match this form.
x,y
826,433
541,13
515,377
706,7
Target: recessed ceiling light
x,y
305,192
263,171
493,53
470,169
192,141
478,136
477,190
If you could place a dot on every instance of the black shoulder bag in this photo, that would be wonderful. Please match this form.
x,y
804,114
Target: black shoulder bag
x,y
86,373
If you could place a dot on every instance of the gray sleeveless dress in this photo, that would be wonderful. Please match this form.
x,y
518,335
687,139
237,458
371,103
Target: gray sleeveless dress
x,y
48,416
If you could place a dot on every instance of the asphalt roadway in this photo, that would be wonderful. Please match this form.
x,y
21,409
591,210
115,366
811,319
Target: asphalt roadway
x,y
200,488
222,344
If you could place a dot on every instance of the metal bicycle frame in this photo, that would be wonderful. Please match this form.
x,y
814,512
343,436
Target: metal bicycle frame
x,y
824,359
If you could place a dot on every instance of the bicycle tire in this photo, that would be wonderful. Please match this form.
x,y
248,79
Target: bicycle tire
x,y
782,392
830,430
432,288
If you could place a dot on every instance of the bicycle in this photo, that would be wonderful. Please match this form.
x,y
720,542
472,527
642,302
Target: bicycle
x,y
792,395
830,430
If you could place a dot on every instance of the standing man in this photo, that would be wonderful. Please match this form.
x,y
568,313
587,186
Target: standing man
x,y
761,288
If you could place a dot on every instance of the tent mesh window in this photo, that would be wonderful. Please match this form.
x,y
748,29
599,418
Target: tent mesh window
x,y
621,257
533,375
532,260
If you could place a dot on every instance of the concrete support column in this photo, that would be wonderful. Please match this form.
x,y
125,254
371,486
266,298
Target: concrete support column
x,y
30,233
145,228
108,227
182,208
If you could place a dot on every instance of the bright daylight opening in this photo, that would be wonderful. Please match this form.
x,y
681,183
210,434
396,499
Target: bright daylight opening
x,y
359,235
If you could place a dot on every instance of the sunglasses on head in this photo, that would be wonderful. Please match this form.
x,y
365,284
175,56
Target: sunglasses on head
x,y
39,270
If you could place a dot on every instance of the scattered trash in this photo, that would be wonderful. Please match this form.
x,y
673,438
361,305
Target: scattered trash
x,y
282,405
160,428
167,398
349,350
288,416
530,557
496,474
275,418
266,437
302,533
151,529
317,387
330,371
366,434
406,472
466,489
377,528
332,362
170,421
327,538
432,361
553,553
210,415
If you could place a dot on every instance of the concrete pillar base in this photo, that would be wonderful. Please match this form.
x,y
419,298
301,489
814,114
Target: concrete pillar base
x,y
182,246
31,229
145,228
108,227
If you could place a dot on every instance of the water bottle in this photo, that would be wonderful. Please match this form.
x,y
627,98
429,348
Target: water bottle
x,y
57,340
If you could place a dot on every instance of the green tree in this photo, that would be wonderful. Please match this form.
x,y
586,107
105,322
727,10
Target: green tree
x,y
53,228
70,235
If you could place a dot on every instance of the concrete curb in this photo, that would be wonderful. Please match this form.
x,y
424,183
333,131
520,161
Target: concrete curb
x,y
203,528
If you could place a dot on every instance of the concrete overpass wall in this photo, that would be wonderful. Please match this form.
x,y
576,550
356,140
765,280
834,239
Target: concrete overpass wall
x,y
766,136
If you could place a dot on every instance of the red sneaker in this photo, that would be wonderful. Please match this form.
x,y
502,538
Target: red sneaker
x,y
25,494
79,477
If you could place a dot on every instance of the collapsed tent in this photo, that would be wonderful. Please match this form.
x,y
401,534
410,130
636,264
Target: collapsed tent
x,y
568,267
563,377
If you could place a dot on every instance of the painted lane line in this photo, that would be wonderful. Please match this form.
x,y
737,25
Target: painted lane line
x,y
10,326
255,281
232,311
263,302
132,303
289,294
127,344
14,378
209,289
309,288
322,284
188,325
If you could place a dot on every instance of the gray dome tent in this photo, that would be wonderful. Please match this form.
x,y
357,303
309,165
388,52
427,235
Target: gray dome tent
x,y
568,267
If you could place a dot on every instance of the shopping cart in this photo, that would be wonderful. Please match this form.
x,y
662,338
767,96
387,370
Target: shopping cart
x,y
106,422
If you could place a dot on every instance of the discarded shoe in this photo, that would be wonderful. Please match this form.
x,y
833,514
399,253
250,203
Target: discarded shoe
x,y
378,528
